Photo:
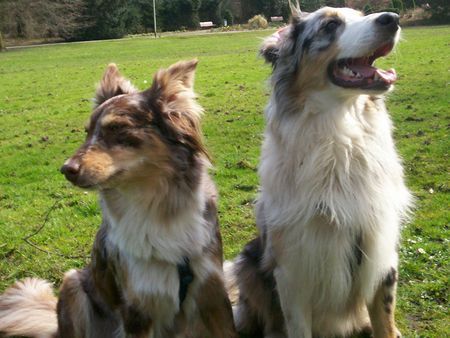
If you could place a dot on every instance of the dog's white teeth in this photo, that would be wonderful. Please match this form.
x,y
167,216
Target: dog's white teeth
x,y
358,76
347,71
376,77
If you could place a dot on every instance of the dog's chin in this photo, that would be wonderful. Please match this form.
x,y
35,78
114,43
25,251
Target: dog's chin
x,y
352,92
85,184
360,75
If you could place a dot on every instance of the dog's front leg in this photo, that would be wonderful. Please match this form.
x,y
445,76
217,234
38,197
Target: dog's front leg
x,y
137,323
81,313
381,310
215,309
296,314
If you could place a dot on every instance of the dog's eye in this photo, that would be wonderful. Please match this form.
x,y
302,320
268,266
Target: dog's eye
x,y
129,141
331,26
113,127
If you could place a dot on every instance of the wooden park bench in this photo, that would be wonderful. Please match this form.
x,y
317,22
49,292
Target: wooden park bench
x,y
276,19
206,24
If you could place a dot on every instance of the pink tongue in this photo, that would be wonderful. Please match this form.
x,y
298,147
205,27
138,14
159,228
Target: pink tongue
x,y
365,71
389,76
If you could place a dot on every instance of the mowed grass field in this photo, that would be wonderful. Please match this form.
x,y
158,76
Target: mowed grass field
x,y
45,100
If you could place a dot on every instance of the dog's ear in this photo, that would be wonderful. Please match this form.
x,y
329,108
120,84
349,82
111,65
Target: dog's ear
x,y
178,112
285,38
172,88
183,72
271,46
270,49
295,8
178,78
112,84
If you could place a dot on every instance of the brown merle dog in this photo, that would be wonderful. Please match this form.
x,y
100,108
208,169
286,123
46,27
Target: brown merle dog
x,y
156,268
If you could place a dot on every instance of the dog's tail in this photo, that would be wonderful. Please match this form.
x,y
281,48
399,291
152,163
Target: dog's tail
x,y
28,308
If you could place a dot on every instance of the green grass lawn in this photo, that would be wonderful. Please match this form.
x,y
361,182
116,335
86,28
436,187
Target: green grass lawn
x,y
45,100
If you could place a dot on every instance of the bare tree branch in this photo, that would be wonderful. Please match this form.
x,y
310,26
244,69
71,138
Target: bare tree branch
x,y
27,240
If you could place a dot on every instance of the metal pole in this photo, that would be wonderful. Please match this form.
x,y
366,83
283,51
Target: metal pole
x,y
2,43
154,16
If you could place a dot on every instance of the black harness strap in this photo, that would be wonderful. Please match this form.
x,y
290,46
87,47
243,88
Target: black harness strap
x,y
186,277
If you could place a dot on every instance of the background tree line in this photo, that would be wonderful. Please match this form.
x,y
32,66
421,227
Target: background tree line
x,y
104,19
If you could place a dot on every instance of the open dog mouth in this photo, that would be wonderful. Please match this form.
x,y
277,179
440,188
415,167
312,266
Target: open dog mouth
x,y
360,72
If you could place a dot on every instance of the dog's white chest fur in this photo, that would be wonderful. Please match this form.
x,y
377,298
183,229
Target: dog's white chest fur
x,y
139,233
149,253
332,186
155,283
340,164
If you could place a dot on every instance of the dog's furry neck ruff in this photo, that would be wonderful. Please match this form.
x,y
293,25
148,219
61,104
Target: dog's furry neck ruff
x,y
328,137
158,222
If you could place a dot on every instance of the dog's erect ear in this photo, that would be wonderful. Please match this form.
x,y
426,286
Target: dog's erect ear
x,y
112,84
183,72
177,78
179,113
175,84
295,8
296,13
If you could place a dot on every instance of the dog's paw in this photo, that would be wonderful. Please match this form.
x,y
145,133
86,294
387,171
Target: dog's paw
x,y
365,332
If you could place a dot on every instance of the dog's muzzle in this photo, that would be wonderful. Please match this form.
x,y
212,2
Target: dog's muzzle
x,y
360,72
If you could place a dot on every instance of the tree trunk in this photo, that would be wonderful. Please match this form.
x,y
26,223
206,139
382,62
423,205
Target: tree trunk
x,y
2,43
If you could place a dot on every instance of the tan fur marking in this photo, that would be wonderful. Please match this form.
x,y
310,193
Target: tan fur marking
x,y
113,118
97,166
313,72
382,315
330,14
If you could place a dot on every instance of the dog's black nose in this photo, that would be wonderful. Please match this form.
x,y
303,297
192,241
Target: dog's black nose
x,y
71,169
388,21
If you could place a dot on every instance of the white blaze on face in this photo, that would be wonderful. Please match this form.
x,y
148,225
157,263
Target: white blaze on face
x,y
360,33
